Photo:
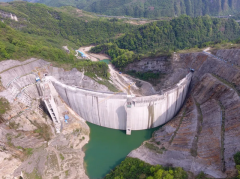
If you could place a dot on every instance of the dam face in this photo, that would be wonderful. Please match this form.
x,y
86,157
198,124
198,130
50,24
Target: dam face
x,y
124,112
111,110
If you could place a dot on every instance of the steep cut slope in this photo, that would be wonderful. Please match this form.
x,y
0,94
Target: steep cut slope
x,y
204,136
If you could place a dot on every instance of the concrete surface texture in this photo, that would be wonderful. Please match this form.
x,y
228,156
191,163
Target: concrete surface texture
x,y
204,135
109,109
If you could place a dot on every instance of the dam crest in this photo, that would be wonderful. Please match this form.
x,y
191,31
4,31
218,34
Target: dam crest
x,y
112,110
122,111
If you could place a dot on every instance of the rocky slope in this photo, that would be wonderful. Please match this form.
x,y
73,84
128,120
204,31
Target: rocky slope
x,y
204,136
29,146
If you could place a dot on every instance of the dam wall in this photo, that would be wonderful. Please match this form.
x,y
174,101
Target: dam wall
x,y
121,111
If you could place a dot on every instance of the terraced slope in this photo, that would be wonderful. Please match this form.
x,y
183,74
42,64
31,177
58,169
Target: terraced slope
x,y
204,136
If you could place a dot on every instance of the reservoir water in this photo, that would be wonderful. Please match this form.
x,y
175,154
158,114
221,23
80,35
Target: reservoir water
x,y
108,147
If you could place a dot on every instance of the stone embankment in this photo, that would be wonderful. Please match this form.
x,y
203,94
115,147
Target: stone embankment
x,y
204,135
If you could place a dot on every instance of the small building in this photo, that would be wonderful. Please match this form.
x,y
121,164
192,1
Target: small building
x,y
82,54
66,117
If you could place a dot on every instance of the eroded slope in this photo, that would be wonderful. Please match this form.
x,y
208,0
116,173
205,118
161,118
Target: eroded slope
x,y
204,136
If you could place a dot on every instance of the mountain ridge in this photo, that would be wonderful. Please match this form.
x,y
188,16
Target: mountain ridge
x,y
152,8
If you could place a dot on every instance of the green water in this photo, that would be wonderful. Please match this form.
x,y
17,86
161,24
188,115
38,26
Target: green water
x,y
108,147
107,61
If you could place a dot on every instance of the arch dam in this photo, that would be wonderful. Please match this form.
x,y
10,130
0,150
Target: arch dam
x,y
122,111
111,110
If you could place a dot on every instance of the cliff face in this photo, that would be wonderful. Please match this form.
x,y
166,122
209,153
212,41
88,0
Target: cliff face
x,y
204,136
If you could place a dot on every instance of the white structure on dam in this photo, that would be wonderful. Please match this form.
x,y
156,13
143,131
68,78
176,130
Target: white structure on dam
x,y
121,111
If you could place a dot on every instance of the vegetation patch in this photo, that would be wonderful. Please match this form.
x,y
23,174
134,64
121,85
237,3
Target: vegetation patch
x,y
237,162
34,175
61,156
13,125
135,169
151,77
109,85
166,37
154,148
43,130
4,106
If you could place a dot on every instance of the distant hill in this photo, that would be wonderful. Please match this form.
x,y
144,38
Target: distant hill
x,y
66,22
151,8
165,37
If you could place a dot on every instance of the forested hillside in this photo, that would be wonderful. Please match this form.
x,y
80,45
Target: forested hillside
x,y
54,22
41,32
168,36
152,8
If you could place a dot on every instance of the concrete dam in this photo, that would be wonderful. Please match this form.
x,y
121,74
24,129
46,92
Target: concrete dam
x,y
107,109
122,111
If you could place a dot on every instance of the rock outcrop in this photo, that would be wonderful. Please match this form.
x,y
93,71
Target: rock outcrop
x,y
4,14
204,135
29,146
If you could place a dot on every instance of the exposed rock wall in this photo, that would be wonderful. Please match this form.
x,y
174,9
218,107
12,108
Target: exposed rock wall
x,y
8,15
204,136
160,64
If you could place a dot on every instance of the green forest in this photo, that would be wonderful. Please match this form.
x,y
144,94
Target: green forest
x,y
165,37
134,168
151,8
18,45
45,21
42,31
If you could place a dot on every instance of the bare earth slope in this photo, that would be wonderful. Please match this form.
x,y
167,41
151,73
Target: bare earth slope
x,y
205,134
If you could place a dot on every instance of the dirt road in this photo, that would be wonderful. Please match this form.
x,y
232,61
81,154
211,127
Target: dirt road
x,y
92,56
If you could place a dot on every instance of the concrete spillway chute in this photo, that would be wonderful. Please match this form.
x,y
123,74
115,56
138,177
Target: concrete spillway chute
x,y
49,98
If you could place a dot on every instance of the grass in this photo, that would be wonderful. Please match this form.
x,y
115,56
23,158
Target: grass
x,y
61,156
33,175
19,134
4,106
109,85
13,125
66,172
28,151
9,140
154,148
43,130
